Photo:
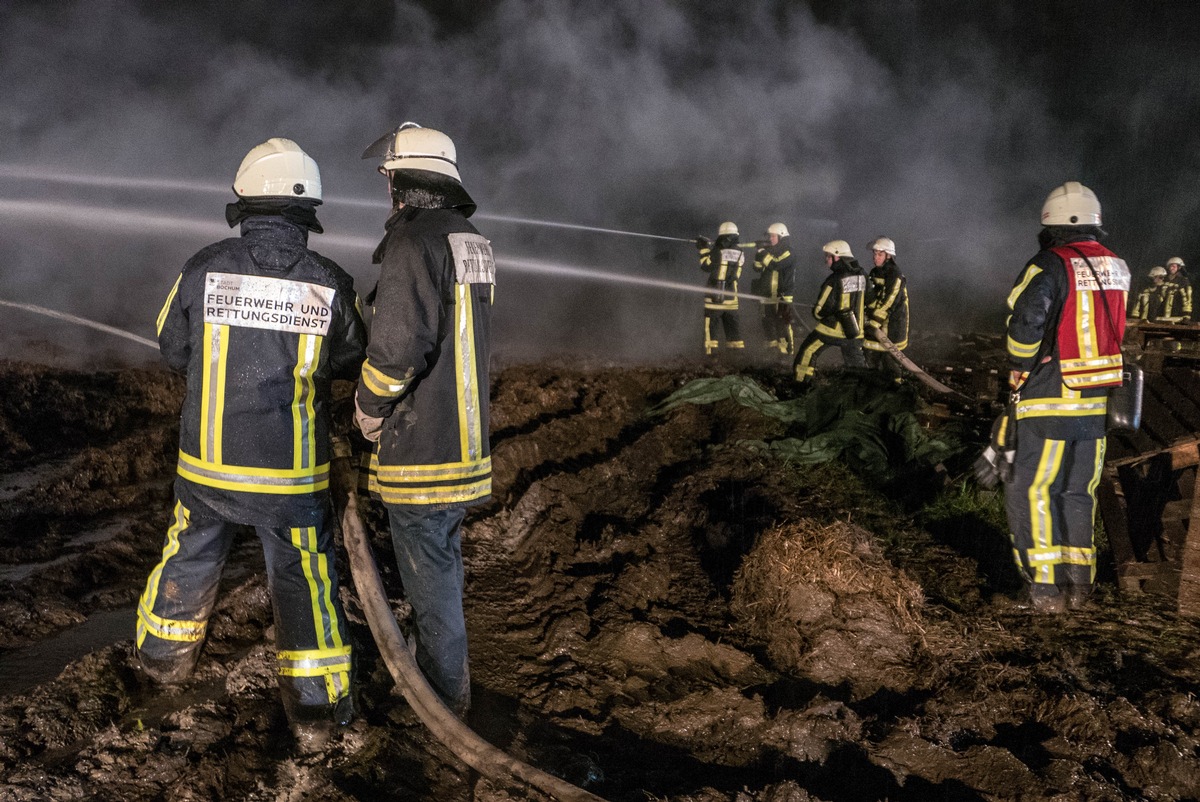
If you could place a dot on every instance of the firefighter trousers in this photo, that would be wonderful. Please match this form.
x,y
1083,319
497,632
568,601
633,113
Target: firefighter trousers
x,y
311,639
1051,505
777,326
428,545
815,343
727,318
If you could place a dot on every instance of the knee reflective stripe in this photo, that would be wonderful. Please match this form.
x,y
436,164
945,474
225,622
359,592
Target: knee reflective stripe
x,y
332,664
1044,554
148,622
168,629
316,571
736,344
1073,555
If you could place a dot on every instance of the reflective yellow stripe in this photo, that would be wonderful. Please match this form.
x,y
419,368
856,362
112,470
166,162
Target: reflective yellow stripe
x,y
181,520
434,473
381,384
470,420
212,394
276,481
314,662
434,495
316,571
1060,408
1044,554
166,307
304,392
1022,350
1020,288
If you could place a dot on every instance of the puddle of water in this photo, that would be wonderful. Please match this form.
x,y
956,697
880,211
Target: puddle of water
x,y
28,666
22,571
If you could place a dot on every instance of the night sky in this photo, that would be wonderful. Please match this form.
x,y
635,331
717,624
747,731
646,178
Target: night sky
x,y
940,124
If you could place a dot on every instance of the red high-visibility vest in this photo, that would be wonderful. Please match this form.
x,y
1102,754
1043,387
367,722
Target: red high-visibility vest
x,y
1092,324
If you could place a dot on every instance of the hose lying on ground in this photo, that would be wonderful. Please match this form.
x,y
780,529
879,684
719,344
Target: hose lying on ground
x,y
911,366
473,750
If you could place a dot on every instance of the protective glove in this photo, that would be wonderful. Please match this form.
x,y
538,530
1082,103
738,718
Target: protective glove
x,y
995,464
370,427
702,243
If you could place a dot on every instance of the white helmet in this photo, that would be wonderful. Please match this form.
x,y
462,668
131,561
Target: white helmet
x,y
727,229
411,147
1175,260
1158,272
278,168
1072,204
883,244
838,248
778,229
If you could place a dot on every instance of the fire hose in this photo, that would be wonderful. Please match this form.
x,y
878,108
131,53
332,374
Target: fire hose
x,y
909,365
451,732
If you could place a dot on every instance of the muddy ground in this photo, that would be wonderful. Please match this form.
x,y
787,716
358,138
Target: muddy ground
x,y
657,611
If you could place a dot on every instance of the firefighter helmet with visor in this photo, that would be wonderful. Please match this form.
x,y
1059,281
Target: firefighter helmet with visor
x,y
278,168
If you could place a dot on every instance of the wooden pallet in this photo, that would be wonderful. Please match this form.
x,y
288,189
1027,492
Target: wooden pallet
x,y
1149,496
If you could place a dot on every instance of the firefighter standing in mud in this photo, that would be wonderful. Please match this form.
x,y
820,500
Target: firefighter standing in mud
x,y
839,312
423,393
722,261
775,282
888,307
1064,344
1152,300
260,325
1179,292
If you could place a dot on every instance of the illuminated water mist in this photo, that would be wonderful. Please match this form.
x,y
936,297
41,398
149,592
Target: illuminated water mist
x,y
49,175
108,218
82,321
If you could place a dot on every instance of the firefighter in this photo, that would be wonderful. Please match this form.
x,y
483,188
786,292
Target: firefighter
x,y
260,325
1179,292
422,397
1066,323
775,266
839,312
888,307
722,261
1152,300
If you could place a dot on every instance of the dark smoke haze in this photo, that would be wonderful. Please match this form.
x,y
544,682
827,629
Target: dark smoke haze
x,y
942,125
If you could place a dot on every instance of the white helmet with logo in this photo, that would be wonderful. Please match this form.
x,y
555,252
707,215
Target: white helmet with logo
x,y
884,244
278,168
422,167
727,229
778,229
838,248
1158,271
1072,204
411,147
1175,260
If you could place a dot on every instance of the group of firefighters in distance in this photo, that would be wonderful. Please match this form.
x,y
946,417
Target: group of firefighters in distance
x,y
851,310
1168,298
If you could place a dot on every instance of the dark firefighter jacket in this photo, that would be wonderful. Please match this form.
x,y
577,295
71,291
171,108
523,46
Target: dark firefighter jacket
x,y
889,305
723,263
1057,311
260,325
777,269
1178,301
840,303
426,372
1151,302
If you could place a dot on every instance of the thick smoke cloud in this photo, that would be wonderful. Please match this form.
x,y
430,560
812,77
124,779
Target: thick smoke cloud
x,y
660,118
